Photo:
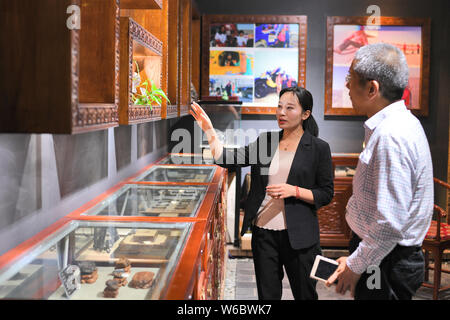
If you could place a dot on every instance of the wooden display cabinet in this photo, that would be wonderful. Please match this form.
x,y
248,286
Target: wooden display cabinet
x,y
195,48
60,65
140,61
201,272
32,269
155,19
334,230
198,271
141,4
173,57
180,63
184,84
182,68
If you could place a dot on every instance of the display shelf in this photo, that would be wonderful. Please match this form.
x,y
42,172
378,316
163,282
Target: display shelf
x,y
140,61
58,77
195,47
94,291
183,284
156,21
185,44
35,275
173,61
173,24
126,200
196,248
178,174
151,201
185,158
199,277
186,251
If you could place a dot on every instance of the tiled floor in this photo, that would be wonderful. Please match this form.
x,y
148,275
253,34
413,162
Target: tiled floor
x,y
240,284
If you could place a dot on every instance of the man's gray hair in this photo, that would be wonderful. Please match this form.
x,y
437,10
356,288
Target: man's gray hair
x,y
386,64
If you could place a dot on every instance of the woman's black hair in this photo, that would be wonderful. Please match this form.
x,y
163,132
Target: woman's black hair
x,y
306,102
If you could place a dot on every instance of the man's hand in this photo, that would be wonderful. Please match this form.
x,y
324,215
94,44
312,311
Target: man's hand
x,y
347,279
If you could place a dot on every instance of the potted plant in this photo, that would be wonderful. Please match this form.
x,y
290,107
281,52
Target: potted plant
x,y
146,93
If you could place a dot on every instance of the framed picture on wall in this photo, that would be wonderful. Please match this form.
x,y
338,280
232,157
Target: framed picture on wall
x,y
345,35
250,58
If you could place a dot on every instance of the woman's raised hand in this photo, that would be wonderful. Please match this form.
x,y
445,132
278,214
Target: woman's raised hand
x,y
206,125
201,117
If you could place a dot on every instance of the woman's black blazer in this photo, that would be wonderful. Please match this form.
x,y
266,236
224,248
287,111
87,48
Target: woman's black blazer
x,y
311,169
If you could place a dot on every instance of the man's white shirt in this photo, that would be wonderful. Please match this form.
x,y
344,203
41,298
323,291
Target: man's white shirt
x,y
392,201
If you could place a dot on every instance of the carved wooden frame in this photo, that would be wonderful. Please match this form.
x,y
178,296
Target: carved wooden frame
x,y
131,31
287,19
93,116
141,4
424,23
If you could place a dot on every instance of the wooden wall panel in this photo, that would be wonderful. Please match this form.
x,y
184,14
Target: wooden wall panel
x,y
56,79
195,57
28,30
97,61
185,57
173,57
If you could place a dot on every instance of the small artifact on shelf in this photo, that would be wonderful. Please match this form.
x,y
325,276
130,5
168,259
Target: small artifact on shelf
x,y
88,272
122,271
112,289
142,280
121,276
350,172
122,280
144,235
123,263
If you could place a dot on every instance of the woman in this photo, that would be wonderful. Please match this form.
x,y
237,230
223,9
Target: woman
x,y
287,187
220,37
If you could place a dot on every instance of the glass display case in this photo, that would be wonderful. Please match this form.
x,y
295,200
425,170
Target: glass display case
x,y
98,260
151,201
186,158
166,173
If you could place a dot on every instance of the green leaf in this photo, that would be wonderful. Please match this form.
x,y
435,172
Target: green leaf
x,y
157,100
163,94
137,66
158,92
154,87
149,94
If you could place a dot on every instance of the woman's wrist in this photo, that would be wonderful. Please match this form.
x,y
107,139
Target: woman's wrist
x,y
297,192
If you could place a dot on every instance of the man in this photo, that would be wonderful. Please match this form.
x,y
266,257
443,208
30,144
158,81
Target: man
x,y
392,203
241,39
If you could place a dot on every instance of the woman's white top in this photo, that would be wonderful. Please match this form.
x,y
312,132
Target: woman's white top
x,y
271,213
